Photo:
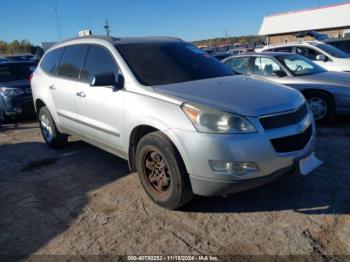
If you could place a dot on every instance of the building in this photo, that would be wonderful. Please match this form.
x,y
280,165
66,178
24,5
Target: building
x,y
333,20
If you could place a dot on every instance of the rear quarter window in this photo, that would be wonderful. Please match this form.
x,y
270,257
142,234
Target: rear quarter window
x,y
51,60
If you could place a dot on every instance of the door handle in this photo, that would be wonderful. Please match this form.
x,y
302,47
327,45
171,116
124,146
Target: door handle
x,y
52,87
81,94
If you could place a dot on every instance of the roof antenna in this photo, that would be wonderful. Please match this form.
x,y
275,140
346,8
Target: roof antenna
x,y
58,22
107,27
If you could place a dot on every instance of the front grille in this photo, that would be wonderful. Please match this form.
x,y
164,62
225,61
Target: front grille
x,y
292,143
282,120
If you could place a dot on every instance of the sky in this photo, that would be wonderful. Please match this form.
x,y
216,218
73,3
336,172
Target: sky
x,y
188,19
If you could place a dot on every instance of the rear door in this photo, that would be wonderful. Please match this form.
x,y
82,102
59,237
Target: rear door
x,y
64,87
99,107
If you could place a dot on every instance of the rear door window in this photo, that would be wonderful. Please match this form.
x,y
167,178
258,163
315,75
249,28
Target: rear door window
x,y
51,60
307,52
72,61
99,60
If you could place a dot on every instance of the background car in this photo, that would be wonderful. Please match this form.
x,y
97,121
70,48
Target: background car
x,y
221,56
18,58
327,56
3,59
340,43
327,92
15,91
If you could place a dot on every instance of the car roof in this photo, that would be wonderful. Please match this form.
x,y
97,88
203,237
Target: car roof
x,y
124,40
337,39
313,43
272,54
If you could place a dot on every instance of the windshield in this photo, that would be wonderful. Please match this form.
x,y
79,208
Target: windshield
x,y
170,62
333,51
12,72
300,66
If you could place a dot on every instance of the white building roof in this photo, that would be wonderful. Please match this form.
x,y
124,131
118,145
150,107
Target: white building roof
x,y
331,16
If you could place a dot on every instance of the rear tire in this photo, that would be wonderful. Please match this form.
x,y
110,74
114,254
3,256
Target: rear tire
x,y
51,135
162,172
322,106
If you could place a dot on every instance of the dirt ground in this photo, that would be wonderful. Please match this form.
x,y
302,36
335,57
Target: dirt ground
x,y
82,200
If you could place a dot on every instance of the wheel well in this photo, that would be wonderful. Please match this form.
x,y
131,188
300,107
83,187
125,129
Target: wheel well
x,y
136,135
38,105
307,91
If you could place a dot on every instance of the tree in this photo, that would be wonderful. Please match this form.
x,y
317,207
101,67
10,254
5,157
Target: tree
x,y
16,47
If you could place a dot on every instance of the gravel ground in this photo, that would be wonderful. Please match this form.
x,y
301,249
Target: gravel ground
x,y
82,200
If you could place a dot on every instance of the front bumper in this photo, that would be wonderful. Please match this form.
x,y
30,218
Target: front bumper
x,y
17,106
197,149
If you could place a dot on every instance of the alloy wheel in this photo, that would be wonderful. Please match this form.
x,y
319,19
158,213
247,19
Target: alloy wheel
x,y
157,172
318,107
46,127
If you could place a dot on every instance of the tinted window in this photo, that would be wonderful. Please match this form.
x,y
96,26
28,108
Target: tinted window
x,y
333,51
238,64
98,61
265,66
170,62
342,45
307,52
287,49
16,72
299,65
72,61
51,60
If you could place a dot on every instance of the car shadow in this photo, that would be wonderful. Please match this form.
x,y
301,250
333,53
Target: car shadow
x,y
312,195
43,190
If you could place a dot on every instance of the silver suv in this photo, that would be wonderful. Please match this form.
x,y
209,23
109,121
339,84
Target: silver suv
x,y
182,119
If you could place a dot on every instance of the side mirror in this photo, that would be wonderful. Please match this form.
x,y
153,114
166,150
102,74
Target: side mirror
x,y
108,79
279,73
321,58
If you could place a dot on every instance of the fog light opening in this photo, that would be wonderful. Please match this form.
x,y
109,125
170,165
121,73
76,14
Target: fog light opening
x,y
235,168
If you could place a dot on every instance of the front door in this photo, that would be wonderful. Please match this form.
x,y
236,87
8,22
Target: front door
x,y
99,107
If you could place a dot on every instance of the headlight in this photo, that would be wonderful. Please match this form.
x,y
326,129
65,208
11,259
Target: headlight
x,y
11,91
208,120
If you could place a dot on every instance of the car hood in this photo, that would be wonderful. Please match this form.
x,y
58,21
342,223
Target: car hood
x,y
237,94
329,78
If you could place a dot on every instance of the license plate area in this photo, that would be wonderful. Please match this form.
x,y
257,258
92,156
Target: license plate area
x,y
309,164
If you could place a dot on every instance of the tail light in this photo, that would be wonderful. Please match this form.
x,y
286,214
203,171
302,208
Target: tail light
x,y
30,77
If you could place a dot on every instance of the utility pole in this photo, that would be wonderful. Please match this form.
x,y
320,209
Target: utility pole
x,y
58,23
107,27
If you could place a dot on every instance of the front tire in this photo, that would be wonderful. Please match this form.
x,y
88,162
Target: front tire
x,y
51,135
322,106
162,172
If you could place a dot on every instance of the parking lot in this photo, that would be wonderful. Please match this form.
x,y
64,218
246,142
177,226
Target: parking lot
x,y
82,200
